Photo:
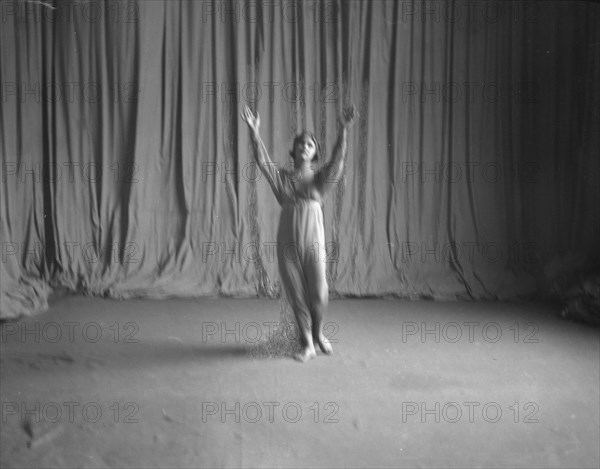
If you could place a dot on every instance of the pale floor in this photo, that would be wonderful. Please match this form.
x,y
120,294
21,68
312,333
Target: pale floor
x,y
177,383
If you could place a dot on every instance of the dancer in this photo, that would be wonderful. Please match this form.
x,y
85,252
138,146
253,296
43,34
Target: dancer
x,y
301,235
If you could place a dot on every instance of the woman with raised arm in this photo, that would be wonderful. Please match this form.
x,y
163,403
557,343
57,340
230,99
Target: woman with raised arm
x,y
301,235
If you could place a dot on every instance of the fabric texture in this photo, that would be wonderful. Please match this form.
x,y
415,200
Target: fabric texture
x,y
126,170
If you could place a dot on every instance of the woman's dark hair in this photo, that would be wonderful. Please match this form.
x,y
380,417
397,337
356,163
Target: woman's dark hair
x,y
310,135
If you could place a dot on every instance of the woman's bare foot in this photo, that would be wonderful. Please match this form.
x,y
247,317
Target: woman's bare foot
x,y
306,354
325,345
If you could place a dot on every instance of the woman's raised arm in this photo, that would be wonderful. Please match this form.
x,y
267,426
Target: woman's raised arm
x,y
260,152
261,155
332,171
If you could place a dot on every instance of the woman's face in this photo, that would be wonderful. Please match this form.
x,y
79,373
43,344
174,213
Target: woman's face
x,y
304,149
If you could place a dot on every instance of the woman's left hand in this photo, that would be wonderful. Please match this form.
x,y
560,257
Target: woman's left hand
x,y
349,115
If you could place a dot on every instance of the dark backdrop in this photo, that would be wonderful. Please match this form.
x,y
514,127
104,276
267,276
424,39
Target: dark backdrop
x,y
126,170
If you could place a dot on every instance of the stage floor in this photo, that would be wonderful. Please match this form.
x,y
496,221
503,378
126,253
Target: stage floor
x,y
176,383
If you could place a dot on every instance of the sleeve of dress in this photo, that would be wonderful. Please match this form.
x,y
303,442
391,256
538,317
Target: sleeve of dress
x,y
276,179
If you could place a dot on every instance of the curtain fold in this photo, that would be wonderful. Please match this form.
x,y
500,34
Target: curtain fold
x,y
127,171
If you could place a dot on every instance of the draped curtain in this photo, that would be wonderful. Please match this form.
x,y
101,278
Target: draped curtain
x,y
472,171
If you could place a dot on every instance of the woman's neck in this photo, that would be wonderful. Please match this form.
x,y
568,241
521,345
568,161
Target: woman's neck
x,y
305,171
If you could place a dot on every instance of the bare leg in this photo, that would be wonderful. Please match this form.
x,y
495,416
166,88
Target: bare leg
x,y
319,296
303,321
308,347
317,333
296,293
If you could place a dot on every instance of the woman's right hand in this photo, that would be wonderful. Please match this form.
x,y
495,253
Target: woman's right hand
x,y
249,118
